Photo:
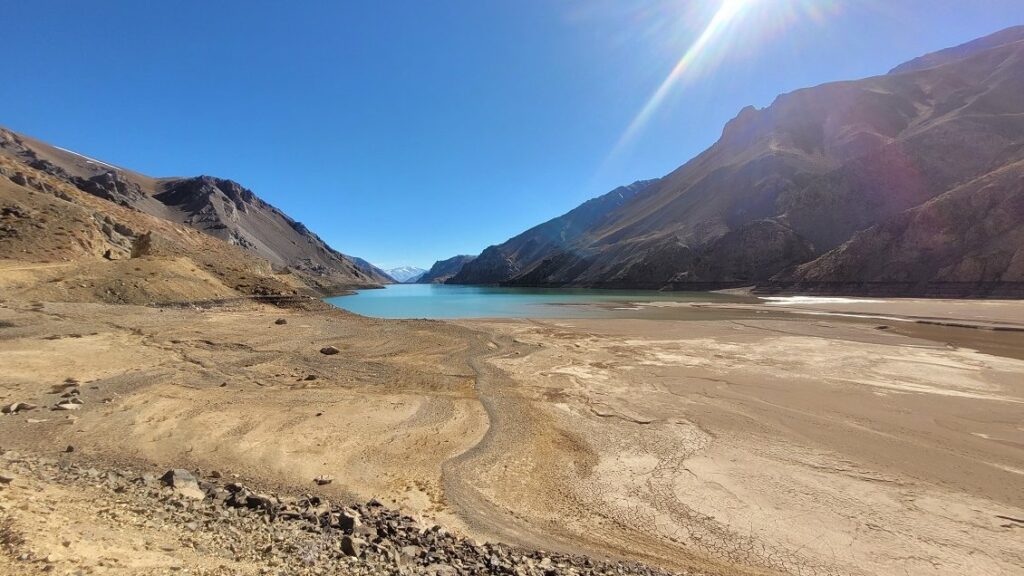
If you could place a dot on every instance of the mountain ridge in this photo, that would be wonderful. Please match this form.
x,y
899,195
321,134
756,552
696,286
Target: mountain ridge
x,y
788,183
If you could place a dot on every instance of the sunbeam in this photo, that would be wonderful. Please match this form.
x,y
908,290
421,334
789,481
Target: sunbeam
x,y
726,14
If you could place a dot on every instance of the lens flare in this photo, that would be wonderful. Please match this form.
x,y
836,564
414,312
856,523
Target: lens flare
x,y
726,14
761,20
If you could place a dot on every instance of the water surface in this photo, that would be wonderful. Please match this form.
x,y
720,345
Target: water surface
x,y
444,301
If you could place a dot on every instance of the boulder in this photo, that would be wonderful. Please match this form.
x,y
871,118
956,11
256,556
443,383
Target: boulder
x,y
150,244
349,520
329,350
183,483
18,407
351,546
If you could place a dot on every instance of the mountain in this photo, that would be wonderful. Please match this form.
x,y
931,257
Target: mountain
x,y
83,230
969,240
521,253
372,270
776,200
406,274
443,270
215,206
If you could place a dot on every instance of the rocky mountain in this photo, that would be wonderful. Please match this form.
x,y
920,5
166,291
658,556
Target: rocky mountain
x,y
406,274
969,240
523,253
371,270
777,199
443,270
220,208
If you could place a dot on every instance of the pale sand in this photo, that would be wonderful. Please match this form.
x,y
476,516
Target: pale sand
x,y
750,444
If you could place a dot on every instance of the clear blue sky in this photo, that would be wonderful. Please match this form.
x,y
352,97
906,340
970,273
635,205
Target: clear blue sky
x,y
407,131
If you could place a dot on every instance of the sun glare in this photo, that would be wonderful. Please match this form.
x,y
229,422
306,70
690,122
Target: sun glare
x,y
726,14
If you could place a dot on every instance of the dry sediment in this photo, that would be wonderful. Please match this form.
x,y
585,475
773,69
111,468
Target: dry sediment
x,y
753,442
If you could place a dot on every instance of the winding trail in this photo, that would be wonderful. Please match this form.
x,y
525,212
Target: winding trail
x,y
507,420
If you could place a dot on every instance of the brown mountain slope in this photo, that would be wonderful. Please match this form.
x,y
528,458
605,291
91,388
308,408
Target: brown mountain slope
x,y
790,182
61,240
218,207
58,243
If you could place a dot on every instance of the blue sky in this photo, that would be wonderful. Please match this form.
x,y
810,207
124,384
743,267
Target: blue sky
x,y
405,132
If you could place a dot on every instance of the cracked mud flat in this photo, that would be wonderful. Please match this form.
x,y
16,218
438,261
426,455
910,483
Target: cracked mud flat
x,y
740,444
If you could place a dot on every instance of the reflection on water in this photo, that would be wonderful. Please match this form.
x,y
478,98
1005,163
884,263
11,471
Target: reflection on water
x,y
444,301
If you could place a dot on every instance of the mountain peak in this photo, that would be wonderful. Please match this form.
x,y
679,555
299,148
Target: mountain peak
x,y
405,274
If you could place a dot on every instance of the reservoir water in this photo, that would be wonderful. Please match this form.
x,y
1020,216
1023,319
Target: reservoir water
x,y
445,301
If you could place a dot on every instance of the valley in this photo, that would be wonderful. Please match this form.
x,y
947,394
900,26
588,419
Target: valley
x,y
799,353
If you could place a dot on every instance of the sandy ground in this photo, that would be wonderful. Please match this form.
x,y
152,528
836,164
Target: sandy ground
x,y
737,442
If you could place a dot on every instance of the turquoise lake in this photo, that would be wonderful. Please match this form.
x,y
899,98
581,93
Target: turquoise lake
x,y
444,301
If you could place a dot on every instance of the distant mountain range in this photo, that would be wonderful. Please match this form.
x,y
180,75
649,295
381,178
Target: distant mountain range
x,y
906,183
285,254
406,274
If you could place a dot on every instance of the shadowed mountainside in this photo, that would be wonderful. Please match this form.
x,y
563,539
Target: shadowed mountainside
x,y
793,182
442,270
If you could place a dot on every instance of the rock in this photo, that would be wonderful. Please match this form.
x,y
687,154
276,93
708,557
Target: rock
x,y
264,502
310,378
150,244
410,552
18,407
323,480
280,321
69,449
6,478
329,350
183,483
349,520
64,405
351,546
